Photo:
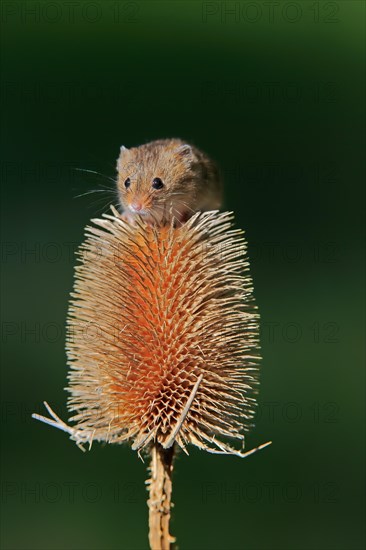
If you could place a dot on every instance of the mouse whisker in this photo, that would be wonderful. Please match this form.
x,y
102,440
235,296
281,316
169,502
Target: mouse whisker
x,y
94,191
185,204
96,173
101,208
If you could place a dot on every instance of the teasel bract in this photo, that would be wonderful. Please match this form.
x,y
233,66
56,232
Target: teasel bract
x,y
162,344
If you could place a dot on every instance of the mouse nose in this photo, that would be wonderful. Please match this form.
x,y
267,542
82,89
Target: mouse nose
x,y
136,206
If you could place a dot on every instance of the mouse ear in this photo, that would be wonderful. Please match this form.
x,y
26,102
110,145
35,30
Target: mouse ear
x,y
122,152
185,150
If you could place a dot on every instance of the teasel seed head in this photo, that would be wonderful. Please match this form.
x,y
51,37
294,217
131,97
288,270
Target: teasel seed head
x,y
163,335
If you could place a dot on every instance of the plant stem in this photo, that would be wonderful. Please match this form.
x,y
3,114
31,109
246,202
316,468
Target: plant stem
x,y
160,491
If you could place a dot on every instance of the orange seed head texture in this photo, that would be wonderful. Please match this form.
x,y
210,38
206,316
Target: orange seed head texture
x,y
163,334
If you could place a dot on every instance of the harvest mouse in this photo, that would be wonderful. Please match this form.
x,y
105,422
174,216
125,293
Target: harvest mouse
x,y
166,179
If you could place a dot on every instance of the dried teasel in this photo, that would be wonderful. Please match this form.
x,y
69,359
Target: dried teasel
x,y
162,344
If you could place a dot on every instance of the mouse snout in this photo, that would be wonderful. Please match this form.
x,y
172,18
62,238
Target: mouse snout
x,y
136,206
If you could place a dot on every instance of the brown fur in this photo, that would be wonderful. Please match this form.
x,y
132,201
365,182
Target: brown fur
x,y
191,181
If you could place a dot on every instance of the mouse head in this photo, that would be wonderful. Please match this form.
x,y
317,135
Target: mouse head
x,y
156,180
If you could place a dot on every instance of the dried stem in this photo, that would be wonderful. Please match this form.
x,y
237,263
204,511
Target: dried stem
x,y
160,491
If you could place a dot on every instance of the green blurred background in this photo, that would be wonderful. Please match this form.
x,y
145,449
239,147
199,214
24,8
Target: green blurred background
x,y
273,91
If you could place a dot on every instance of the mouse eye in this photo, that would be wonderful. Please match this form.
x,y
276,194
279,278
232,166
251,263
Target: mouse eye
x,y
157,183
127,183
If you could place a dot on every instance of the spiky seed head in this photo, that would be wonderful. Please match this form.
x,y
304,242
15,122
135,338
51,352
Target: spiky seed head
x,y
163,334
